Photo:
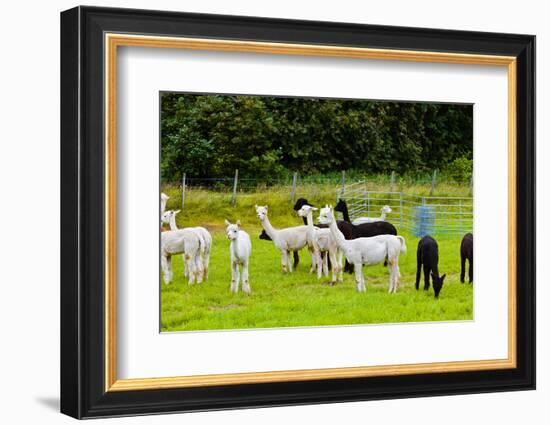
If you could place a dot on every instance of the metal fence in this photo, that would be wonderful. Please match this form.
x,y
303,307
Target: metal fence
x,y
418,214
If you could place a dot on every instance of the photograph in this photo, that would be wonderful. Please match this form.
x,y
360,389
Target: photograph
x,y
281,212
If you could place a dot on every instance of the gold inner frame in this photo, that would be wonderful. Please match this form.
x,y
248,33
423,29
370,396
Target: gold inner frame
x,y
113,41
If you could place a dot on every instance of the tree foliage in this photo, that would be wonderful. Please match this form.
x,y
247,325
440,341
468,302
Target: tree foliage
x,y
212,135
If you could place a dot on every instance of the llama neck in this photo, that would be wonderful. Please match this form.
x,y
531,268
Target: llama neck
x,y
269,229
383,216
337,234
173,225
235,244
309,222
345,213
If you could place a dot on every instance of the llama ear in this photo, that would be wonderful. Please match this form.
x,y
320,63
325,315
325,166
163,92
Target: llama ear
x,y
227,223
238,223
443,277
177,211
314,209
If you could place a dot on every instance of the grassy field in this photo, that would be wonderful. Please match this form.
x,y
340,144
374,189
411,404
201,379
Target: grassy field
x,y
296,299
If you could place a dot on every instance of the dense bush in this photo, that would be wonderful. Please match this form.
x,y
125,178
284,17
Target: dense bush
x,y
272,136
460,170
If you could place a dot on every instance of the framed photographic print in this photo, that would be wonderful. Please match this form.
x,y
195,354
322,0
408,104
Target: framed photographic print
x,y
261,212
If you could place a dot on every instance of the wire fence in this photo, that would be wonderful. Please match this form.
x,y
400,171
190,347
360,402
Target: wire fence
x,y
420,215
391,181
416,204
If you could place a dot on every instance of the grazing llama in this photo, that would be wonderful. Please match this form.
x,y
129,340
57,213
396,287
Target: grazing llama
x,y
322,242
182,241
286,240
368,251
240,249
204,237
385,210
427,255
467,253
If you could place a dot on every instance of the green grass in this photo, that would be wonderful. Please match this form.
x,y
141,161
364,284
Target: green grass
x,y
297,299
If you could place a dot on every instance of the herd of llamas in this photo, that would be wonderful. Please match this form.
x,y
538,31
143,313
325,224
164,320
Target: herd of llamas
x,y
365,241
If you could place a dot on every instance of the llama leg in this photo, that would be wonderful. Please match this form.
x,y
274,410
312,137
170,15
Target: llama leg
x,y
185,268
246,285
296,259
390,270
340,277
288,261
199,267
284,260
418,271
313,268
471,270
191,267
426,278
325,263
234,277
334,262
166,268
394,276
462,267
319,263
359,277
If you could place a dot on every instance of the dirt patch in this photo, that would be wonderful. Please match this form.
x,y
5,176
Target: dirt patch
x,y
223,307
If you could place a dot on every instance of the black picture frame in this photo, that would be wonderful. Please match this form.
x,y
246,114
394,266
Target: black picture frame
x,y
83,392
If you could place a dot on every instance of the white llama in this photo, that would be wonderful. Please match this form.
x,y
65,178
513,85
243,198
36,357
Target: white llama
x,y
384,211
182,241
368,251
286,240
240,249
163,199
169,217
323,242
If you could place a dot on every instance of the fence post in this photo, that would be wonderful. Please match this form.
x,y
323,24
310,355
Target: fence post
x,y
234,197
401,209
460,213
293,192
343,180
368,204
434,176
392,180
183,190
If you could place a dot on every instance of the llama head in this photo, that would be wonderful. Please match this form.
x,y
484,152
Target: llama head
x,y
326,215
340,206
264,236
385,209
163,199
300,203
305,210
438,283
232,230
261,212
167,216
